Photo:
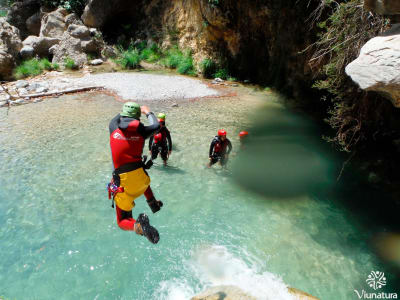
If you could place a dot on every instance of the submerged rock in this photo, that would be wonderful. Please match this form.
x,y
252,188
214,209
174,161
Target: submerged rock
x,y
227,292
377,68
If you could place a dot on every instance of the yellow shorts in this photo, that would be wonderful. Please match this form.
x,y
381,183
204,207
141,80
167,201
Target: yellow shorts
x,y
135,183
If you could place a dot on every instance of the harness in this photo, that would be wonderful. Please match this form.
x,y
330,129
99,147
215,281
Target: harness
x,y
113,187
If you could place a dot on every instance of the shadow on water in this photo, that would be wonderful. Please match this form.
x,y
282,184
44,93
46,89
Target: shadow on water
x,y
168,169
284,158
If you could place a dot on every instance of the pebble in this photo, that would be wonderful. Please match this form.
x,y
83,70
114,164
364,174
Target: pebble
x,y
41,89
217,79
18,102
21,84
96,62
175,105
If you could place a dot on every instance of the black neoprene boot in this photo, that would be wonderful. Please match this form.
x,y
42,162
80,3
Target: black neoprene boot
x,y
148,231
154,204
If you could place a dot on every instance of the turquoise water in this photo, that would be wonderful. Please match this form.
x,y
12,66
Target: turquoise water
x,y
59,238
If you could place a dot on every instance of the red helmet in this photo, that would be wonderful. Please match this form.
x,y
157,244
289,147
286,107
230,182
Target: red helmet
x,y
221,132
158,137
243,134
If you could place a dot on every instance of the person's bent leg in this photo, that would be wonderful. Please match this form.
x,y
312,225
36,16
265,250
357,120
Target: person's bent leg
x,y
155,205
124,219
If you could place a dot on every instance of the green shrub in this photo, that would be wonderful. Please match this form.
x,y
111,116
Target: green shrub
x,y
176,59
221,73
208,67
151,54
344,28
129,59
76,6
69,63
172,58
45,64
33,67
185,66
3,13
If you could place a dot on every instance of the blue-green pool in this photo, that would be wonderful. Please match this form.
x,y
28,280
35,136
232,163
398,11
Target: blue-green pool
x,y
59,238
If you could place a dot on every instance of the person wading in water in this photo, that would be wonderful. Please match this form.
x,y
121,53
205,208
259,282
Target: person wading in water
x,y
161,142
219,149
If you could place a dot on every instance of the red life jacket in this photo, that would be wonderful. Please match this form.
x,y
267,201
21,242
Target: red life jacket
x,y
217,147
126,145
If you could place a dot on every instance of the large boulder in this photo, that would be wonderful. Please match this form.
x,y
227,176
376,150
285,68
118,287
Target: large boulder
x,y
33,23
383,7
10,45
69,47
40,44
53,24
20,12
377,68
97,12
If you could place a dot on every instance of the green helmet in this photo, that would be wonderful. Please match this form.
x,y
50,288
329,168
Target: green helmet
x,y
131,109
161,116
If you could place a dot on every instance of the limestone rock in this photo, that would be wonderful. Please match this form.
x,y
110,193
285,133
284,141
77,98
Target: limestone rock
x,y
40,44
96,62
108,51
21,84
10,45
383,7
90,46
69,46
72,19
79,31
53,25
53,49
33,24
300,295
378,66
20,12
27,52
223,292
97,12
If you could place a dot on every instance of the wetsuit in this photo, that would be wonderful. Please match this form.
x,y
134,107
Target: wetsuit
x,y
219,149
127,137
163,146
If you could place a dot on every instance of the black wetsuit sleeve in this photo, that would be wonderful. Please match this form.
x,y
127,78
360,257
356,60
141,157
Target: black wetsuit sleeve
x,y
211,147
114,123
169,140
151,142
229,146
147,131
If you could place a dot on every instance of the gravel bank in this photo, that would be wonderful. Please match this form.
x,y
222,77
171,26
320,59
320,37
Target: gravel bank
x,y
146,86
